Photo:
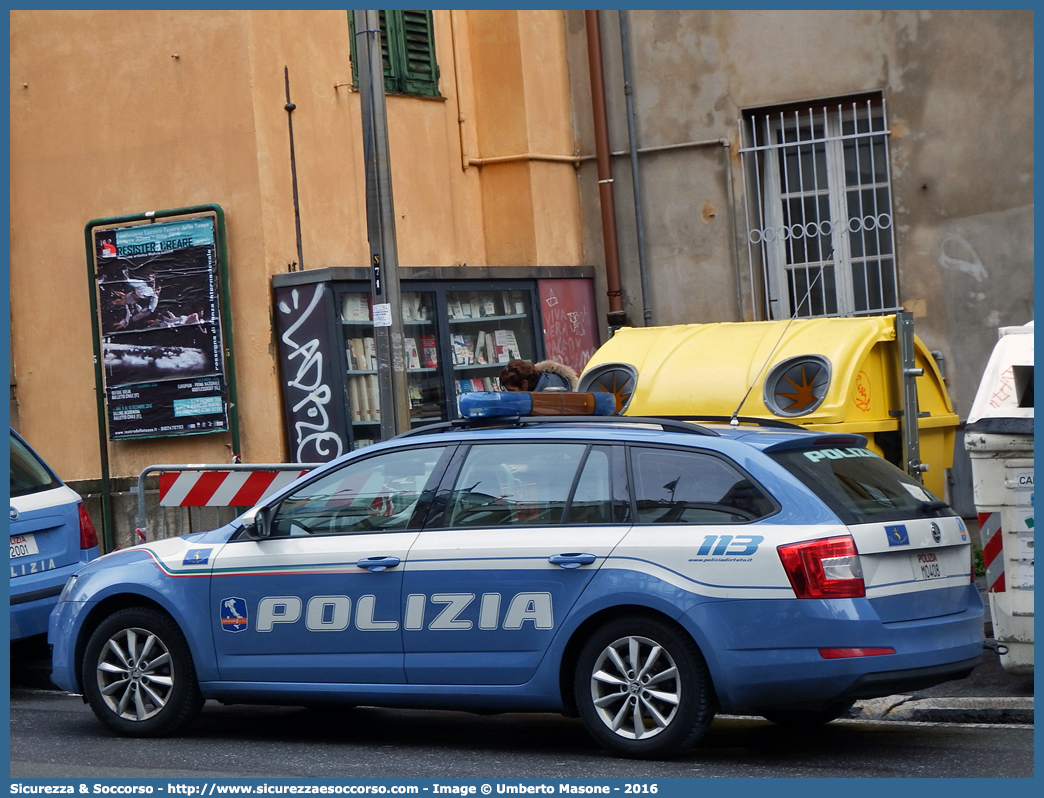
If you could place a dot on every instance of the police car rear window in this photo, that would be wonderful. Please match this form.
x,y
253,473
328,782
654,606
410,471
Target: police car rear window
x,y
859,486
28,473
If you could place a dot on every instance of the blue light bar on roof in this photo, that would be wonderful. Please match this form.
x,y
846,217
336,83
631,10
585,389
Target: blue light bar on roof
x,y
489,404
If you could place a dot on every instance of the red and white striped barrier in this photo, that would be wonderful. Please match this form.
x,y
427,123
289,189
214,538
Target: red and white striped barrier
x,y
221,488
992,550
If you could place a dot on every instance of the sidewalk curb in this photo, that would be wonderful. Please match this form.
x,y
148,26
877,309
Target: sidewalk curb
x,y
945,710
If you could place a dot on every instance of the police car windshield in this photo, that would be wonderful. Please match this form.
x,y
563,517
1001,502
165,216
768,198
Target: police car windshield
x,y
859,486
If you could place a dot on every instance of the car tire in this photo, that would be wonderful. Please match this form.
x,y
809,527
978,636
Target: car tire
x,y
643,689
138,674
808,718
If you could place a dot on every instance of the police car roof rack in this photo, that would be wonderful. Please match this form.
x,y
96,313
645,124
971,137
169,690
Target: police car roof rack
x,y
667,424
761,422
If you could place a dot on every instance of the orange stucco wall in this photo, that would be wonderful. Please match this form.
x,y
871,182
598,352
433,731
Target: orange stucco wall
x,y
118,113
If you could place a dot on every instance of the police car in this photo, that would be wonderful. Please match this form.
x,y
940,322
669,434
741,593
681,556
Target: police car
x,y
641,573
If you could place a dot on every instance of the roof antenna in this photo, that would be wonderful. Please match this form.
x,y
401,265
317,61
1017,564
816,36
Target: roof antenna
x,y
734,420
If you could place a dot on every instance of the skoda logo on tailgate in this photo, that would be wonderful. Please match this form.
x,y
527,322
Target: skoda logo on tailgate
x,y
936,532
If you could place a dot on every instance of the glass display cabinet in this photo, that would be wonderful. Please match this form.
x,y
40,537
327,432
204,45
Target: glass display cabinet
x,y
457,336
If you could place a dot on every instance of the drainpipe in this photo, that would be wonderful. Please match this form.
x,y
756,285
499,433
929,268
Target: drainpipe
x,y
616,316
632,138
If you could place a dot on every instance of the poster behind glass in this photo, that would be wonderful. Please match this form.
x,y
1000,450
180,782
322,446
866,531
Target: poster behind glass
x,y
159,318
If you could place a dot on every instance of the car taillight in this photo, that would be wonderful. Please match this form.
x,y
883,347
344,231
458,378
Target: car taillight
x,y
88,537
844,653
827,568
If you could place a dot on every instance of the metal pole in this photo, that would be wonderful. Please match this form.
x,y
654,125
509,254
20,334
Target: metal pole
x,y
909,415
380,229
290,108
632,138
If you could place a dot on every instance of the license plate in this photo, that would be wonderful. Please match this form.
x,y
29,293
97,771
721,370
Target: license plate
x,y
23,546
926,565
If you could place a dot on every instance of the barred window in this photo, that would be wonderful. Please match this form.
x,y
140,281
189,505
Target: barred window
x,y
819,208
407,50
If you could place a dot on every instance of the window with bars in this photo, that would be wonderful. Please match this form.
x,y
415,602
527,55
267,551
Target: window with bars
x,y
407,50
819,208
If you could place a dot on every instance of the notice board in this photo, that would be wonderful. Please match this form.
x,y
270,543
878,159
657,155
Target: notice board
x,y
159,321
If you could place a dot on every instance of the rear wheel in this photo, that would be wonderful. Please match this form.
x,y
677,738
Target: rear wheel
x,y
138,674
807,718
642,688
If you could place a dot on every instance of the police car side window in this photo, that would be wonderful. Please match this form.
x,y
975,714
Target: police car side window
x,y
591,502
516,484
376,494
676,487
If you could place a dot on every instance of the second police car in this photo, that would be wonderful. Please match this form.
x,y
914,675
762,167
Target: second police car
x,y
643,574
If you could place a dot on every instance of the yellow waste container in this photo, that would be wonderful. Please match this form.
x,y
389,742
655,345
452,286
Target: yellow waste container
x,y
830,375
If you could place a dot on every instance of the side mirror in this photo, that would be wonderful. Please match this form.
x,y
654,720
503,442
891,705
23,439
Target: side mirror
x,y
257,522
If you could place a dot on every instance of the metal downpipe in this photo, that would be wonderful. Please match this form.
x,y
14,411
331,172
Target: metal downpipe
x,y
632,139
616,316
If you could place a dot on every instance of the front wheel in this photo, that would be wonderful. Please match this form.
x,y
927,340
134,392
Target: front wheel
x,y
138,674
642,688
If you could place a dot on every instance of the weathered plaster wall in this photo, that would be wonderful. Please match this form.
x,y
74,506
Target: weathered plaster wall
x,y
959,93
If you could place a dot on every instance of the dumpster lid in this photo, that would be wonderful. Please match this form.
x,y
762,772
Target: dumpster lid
x,y
808,371
1006,389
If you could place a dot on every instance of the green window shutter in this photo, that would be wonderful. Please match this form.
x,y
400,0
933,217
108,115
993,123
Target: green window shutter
x,y
390,84
421,73
407,50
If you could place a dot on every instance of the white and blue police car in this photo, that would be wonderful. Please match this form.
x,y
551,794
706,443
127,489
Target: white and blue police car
x,y
641,573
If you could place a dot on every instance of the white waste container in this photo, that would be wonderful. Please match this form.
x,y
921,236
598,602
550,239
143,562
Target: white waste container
x,y
999,440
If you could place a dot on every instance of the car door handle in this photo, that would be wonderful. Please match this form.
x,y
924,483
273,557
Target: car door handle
x,y
571,561
377,564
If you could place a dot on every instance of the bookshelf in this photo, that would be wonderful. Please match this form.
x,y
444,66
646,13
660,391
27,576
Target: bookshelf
x,y
459,331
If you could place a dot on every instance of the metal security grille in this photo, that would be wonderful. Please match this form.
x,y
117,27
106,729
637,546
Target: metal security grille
x,y
819,209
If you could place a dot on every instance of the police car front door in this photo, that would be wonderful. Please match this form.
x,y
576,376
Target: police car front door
x,y
319,600
517,537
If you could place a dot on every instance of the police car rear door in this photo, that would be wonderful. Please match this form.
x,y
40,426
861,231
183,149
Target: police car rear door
x,y
519,529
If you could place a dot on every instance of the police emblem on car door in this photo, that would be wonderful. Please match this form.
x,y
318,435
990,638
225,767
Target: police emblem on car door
x,y
319,599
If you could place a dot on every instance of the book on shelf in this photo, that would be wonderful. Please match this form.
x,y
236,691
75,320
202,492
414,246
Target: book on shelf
x,y
355,307
354,399
483,354
505,303
363,396
375,397
518,303
463,349
488,305
453,306
506,345
476,384
370,353
429,410
409,347
416,393
476,307
429,353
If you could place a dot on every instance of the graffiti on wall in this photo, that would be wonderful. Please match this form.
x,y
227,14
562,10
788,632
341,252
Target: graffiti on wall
x,y
307,374
568,312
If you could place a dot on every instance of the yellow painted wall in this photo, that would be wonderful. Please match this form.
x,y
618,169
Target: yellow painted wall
x,y
117,113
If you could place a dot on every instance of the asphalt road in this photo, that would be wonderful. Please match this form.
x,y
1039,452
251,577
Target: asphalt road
x,y
55,735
